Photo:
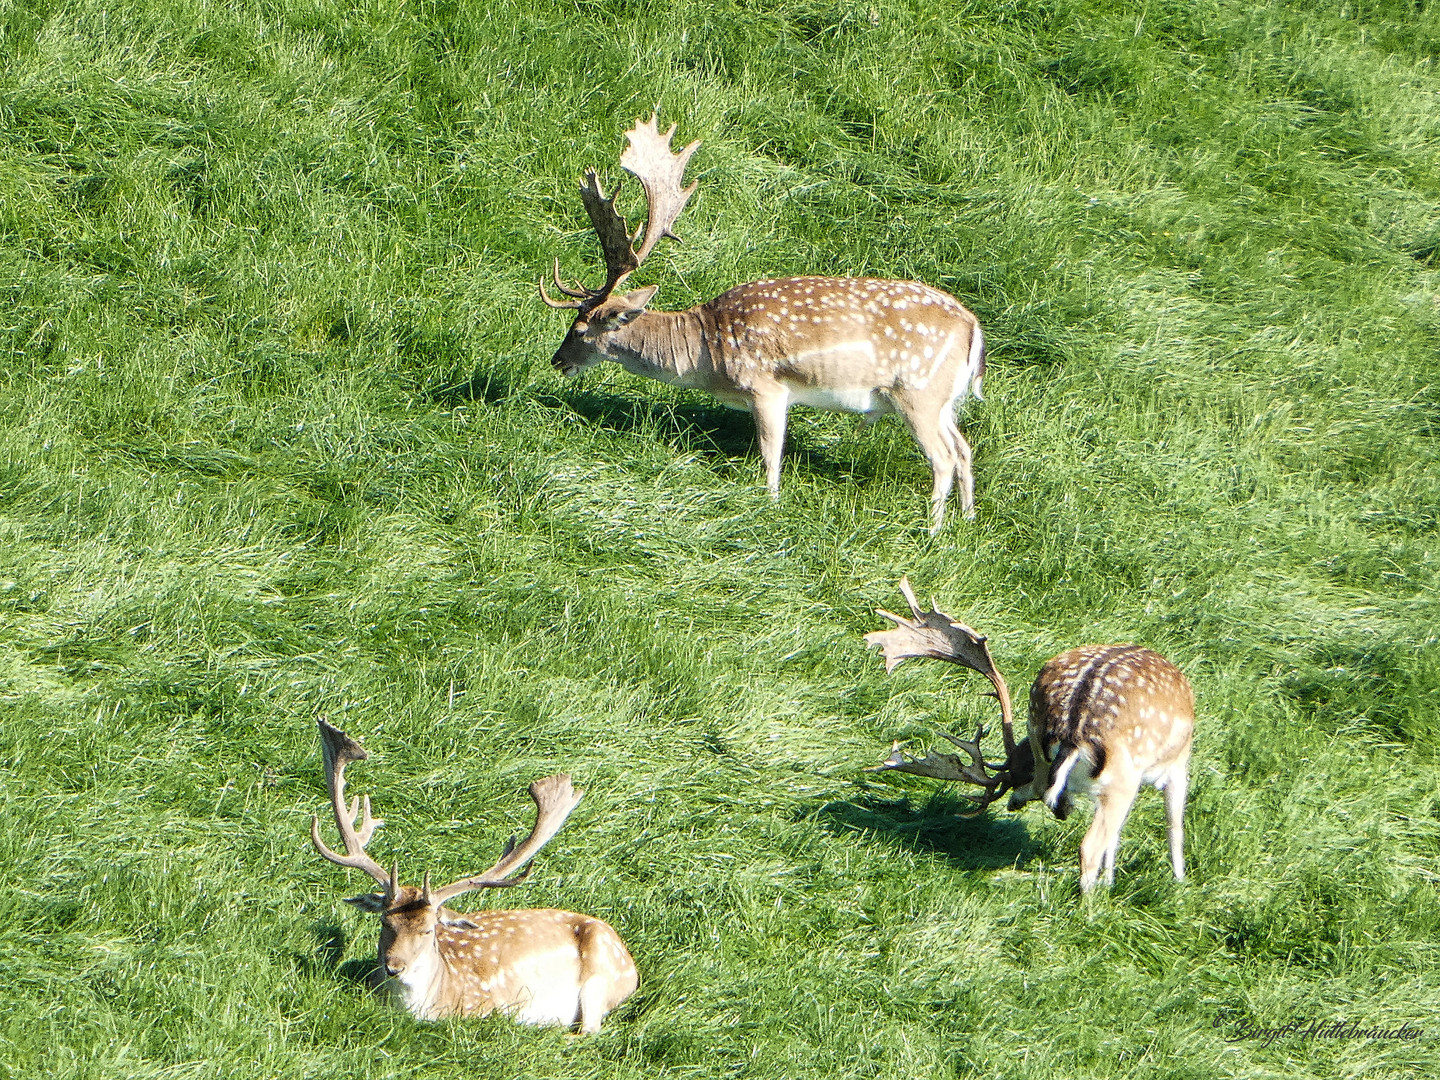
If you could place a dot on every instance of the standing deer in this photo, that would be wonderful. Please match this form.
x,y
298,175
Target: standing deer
x,y
1104,719
845,344
539,966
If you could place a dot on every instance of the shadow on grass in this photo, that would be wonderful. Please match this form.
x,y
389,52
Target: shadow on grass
x,y
361,973
330,947
686,424
988,842
696,426
481,387
693,426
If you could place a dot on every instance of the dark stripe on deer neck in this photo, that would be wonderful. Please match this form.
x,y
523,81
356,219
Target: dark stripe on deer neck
x,y
1097,673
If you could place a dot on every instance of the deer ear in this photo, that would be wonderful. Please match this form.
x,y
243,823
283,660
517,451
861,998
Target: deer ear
x,y
449,918
633,306
640,297
371,902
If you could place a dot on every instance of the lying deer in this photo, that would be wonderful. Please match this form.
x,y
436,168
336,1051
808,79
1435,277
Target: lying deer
x,y
845,344
1104,719
538,966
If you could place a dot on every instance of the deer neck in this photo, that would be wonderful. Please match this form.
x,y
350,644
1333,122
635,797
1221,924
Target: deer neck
x,y
665,345
421,988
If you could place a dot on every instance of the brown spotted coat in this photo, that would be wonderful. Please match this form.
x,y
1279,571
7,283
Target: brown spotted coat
x,y
538,966
1114,717
857,345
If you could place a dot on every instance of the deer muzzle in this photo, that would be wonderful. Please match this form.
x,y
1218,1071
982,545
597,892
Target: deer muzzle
x,y
573,356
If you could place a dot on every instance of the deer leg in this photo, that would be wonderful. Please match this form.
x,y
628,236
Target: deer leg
x,y
1102,839
770,409
963,459
604,981
594,1003
928,429
1177,785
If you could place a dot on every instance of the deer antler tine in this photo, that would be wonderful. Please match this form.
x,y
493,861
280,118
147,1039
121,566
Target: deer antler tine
x,y
979,734
338,750
909,595
550,302
555,797
368,822
569,290
975,772
315,837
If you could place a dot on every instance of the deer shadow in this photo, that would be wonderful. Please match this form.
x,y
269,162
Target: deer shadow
x,y
483,386
327,956
364,973
693,424
684,424
982,843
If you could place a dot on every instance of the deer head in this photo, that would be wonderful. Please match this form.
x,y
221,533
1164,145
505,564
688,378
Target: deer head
x,y
600,312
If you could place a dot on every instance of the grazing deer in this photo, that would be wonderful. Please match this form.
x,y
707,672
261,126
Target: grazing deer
x,y
845,344
1104,719
539,966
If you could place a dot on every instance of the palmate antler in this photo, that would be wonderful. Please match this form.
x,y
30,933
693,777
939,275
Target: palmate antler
x,y
945,766
951,767
660,172
648,159
554,799
934,634
338,750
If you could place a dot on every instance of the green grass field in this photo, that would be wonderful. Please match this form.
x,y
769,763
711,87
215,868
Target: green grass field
x,y
279,437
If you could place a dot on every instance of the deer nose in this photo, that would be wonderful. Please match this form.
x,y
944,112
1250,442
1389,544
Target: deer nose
x,y
570,357
394,970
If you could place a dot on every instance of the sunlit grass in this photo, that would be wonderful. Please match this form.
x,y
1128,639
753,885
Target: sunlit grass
x,y
278,436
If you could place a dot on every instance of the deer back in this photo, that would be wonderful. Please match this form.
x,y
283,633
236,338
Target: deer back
x,y
842,334
537,965
1114,701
